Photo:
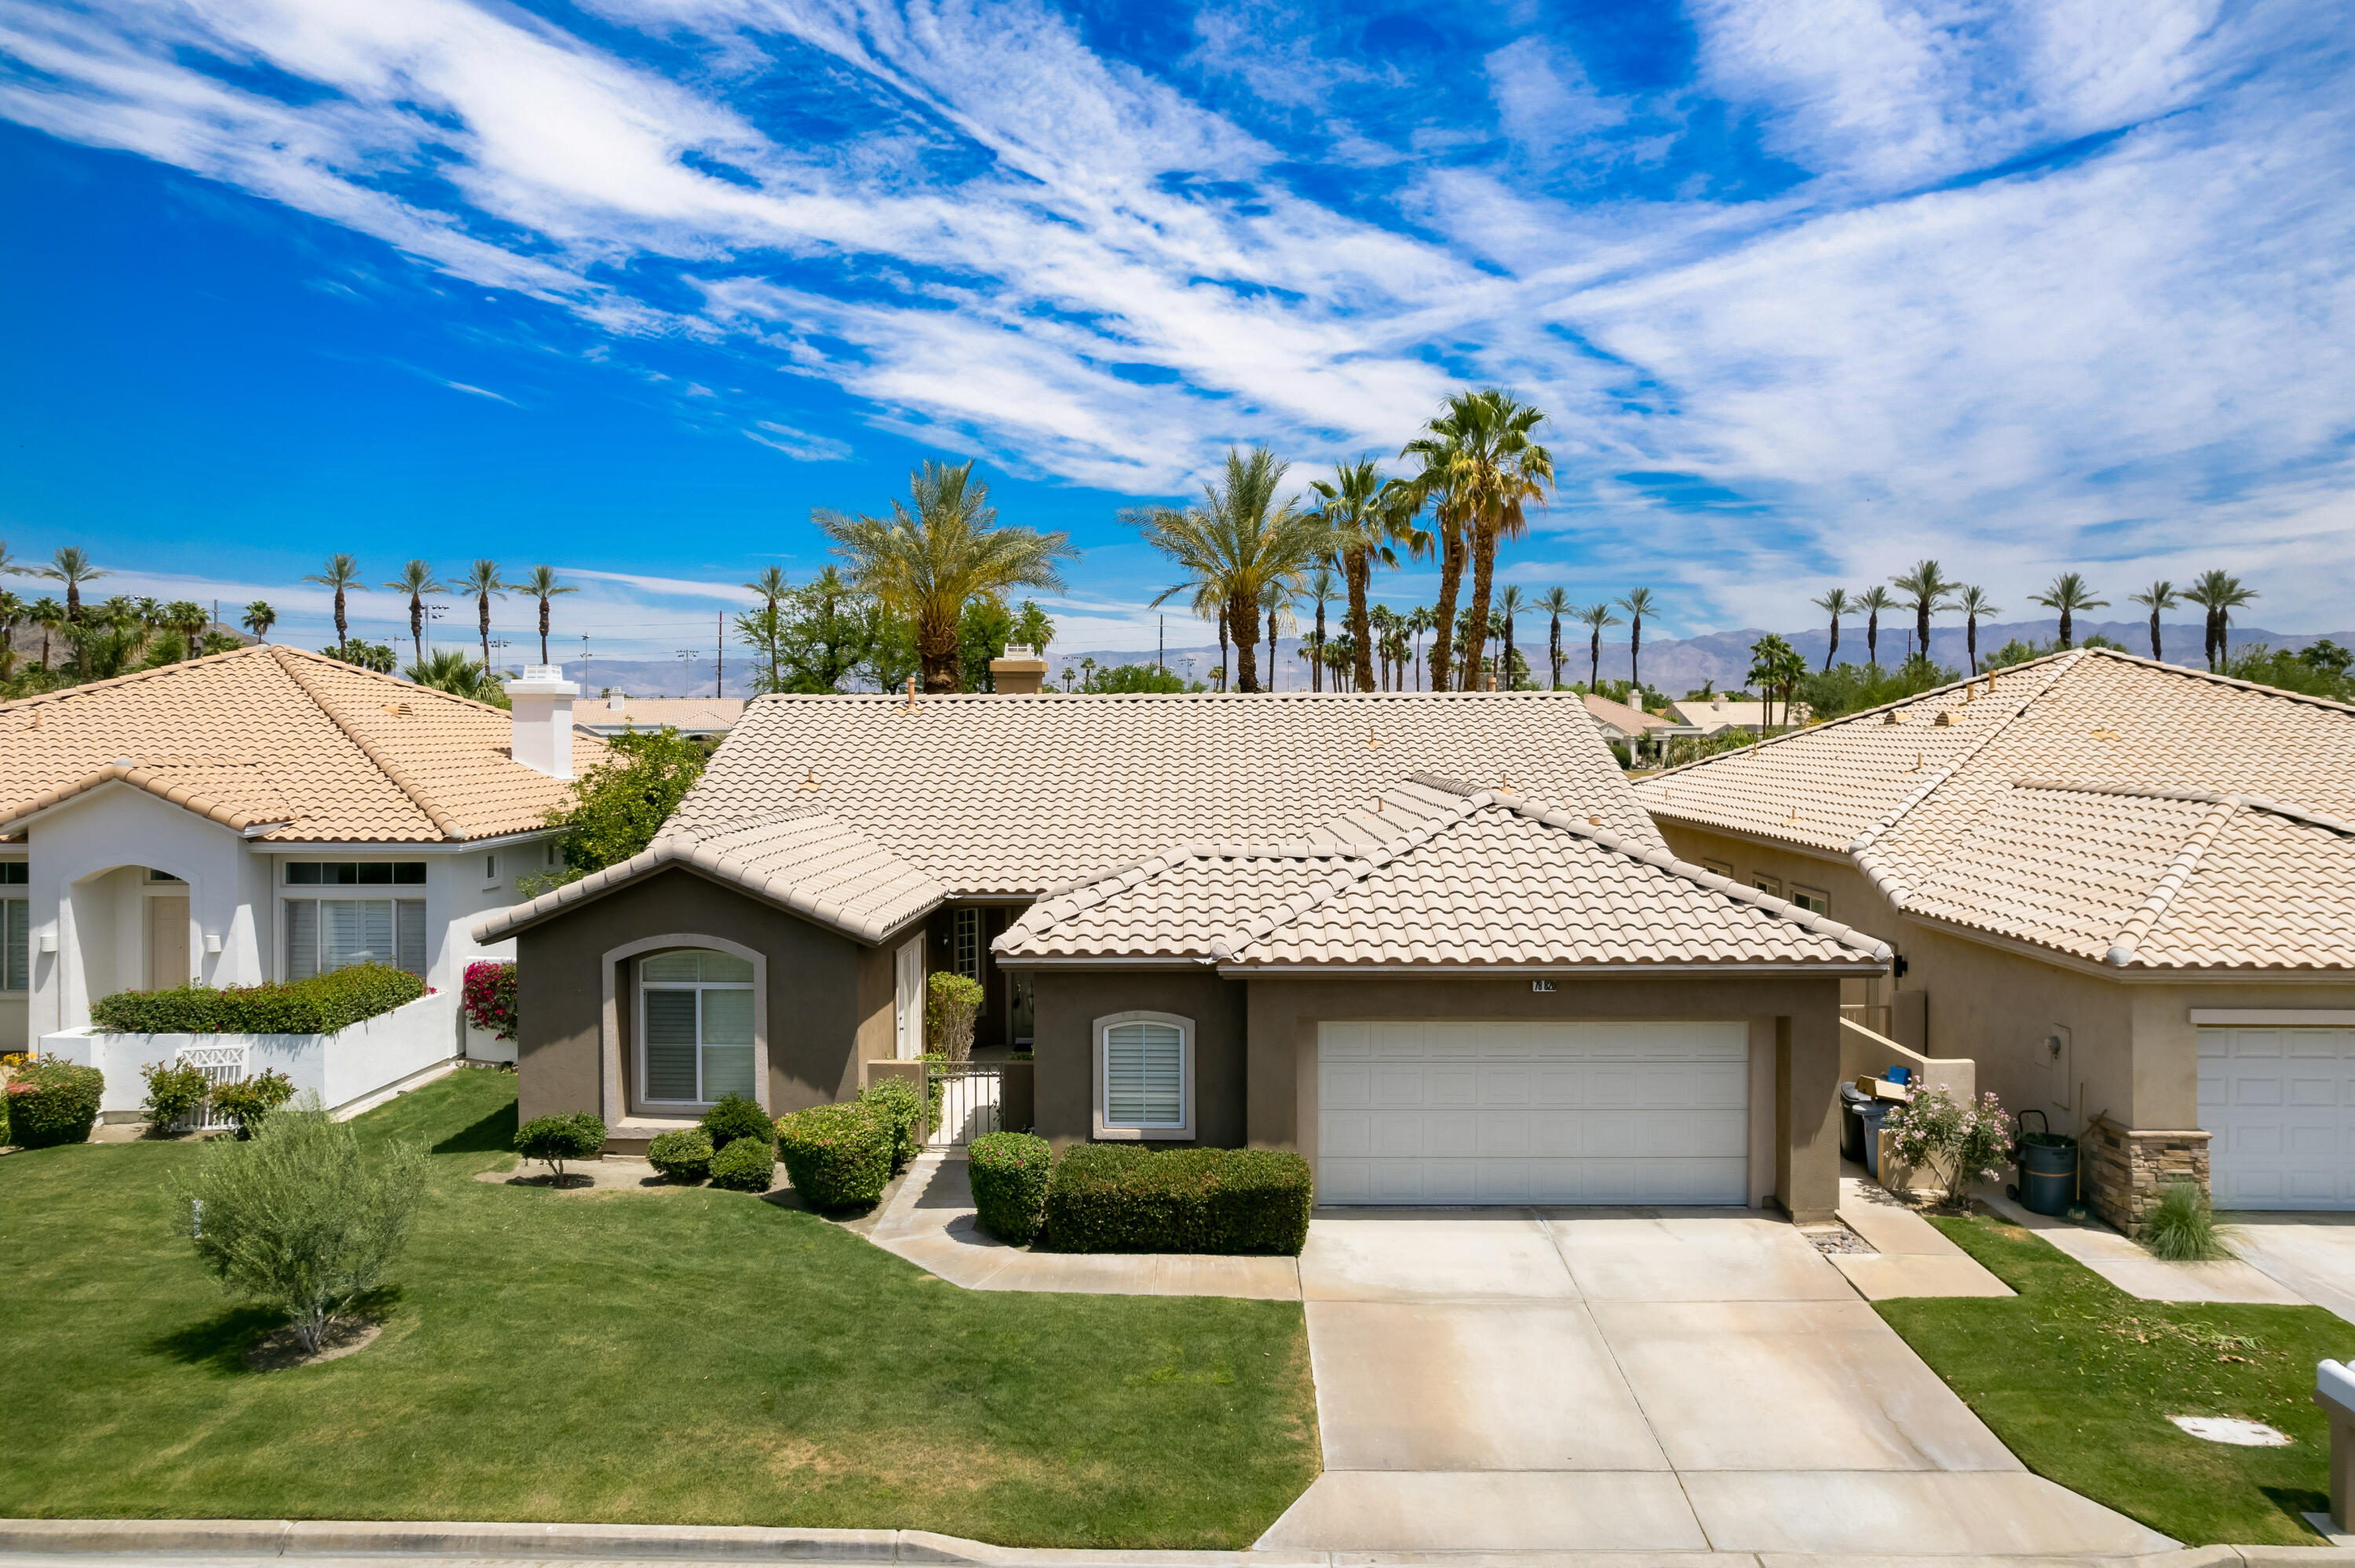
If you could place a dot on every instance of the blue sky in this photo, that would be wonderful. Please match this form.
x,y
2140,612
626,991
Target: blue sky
x,y
1810,289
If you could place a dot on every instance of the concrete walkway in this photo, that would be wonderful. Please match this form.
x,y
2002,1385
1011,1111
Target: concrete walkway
x,y
2312,1253
2125,1265
1911,1255
929,1222
1638,1380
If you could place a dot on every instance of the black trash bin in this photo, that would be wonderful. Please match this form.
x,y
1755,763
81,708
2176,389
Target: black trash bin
x,y
2048,1166
1873,1113
1851,1123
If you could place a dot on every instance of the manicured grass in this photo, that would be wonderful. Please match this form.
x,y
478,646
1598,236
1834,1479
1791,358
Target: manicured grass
x,y
678,1356
2079,1379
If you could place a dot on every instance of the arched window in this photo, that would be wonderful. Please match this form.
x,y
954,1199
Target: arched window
x,y
1145,1076
695,1026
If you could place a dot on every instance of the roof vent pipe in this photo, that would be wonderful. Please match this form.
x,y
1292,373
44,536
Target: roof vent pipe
x,y
540,737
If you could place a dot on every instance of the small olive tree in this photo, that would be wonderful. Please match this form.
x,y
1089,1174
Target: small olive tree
x,y
1956,1142
948,1021
553,1139
298,1218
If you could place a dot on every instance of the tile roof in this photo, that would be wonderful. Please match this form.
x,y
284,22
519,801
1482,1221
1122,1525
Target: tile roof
x,y
693,714
999,795
805,861
1624,718
2130,813
1468,876
283,745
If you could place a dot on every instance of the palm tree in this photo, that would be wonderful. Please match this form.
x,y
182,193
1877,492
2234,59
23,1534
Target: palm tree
x,y
1873,601
1509,603
1556,604
1974,603
150,614
2219,594
342,573
771,586
483,580
1927,590
1776,669
1834,604
1419,621
1394,652
2159,596
1596,616
1480,470
10,567
1637,605
188,619
72,566
258,619
2068,595
12,611
1367,518
1234,546
449,670
928,560
49,615
542,586
1319,592
417,581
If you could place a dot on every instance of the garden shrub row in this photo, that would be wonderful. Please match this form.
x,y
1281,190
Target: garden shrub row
x,y
1123,1198
842,1156
320,1005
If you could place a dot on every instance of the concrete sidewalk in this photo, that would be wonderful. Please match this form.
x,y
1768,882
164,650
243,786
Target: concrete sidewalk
x,y
2125,1265
1910,1257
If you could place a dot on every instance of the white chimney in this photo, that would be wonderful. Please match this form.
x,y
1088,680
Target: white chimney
x,y
616,702
541,737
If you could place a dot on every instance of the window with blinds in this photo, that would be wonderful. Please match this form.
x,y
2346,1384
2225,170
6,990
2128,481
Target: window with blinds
x,y
694,1024
1145,1076
325,934
16,944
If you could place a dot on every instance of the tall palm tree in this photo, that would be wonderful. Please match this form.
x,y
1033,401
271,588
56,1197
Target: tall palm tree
x,y
1277,599
929,559
2068,595
1596,616
1387,627
10,567
1974,603
1368,519
1873,601
1480,470
188,619
1236,543
449,670
49,615
542,586
1509,603
150,615
1320,592
483,580
1556,604
2219,594
1927,589
1834,604
341,573
2160,595
258,619
417,581
771,586
12,611
1419,621
72,566
1638,604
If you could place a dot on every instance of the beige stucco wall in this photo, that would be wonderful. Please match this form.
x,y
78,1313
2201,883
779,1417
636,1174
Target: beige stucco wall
x,y
1067,1003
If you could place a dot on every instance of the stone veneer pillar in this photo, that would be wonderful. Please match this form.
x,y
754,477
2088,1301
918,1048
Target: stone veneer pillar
x,y
2124,1169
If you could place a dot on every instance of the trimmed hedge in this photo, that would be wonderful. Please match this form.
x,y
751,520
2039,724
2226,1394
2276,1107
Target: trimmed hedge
x,y
734,1117
893,1102
684,1155
746,1165
54,1102
320,1005
838,1156
1121,1198
1010,1174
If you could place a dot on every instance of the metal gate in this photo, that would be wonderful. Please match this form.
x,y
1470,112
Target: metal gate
x,y
971,1092
220,1065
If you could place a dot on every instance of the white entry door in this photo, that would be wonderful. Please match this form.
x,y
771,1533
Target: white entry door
x,y
908,1000
2279,1107
1533,1113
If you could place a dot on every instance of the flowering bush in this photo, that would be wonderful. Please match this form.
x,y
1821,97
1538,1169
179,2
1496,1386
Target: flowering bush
x,y
1956,1142
489,997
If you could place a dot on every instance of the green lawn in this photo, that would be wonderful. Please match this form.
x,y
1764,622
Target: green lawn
x,y
2079,1378
678,1356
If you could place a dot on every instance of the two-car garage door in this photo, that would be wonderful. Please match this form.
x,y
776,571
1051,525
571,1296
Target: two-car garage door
x,y
2279,1108
1533,1113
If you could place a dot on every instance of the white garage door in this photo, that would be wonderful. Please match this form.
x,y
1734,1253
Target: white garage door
x,y
2279,1105
1532,1113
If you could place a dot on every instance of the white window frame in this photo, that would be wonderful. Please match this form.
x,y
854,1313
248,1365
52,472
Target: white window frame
x,y
1813,899
641,985
16,927
1724,868
1772,886
378,894
964,943
1105,1128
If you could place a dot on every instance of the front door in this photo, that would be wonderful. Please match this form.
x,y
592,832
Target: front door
x,y
167,942
907,1000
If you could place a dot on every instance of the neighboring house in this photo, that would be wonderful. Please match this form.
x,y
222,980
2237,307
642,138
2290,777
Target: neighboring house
x,y
2125,889
1267,920
701,717
1620,722
1715,715
264,814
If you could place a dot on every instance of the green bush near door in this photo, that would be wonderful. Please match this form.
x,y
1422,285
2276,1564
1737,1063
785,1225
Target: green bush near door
x,y
1010,1174
837,1156
1121,1198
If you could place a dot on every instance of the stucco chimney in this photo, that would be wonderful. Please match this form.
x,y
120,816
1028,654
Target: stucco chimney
x,y
1020,673
541,733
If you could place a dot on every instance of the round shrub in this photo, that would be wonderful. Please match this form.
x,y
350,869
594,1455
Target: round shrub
x,y
684,1155
735,1117
54,1102
1011,1171
553,1139
839,1156
249,1101
894,1102
744,1166
174,1090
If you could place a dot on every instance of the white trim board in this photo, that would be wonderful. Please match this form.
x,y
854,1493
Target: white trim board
x,y
2276,1017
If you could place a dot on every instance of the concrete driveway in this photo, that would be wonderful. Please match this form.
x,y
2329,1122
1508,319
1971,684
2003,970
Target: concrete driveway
x,y
2313,1254
1638,1380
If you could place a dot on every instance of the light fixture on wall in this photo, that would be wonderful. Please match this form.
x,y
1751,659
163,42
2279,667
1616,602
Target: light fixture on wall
x,y
212,942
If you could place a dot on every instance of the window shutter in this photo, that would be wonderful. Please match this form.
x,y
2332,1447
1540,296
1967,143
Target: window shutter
x,y
16,933
302,938
410,938
1145,1076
